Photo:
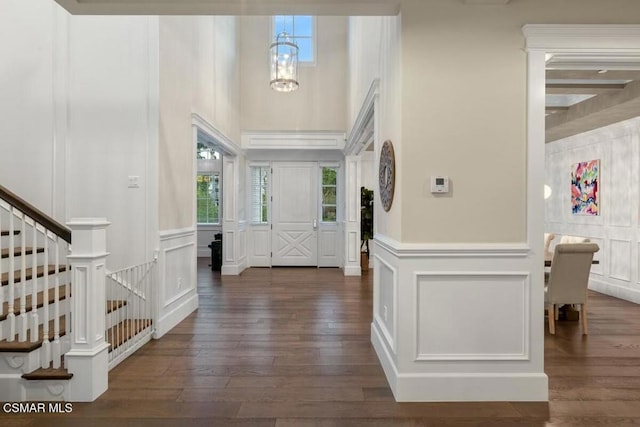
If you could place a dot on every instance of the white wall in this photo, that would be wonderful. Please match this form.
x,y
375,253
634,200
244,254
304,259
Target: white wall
x,y
318,104
111,132
198,74
29,31
374,53
617,229
77,119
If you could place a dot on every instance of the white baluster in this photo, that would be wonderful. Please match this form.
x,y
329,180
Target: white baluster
x,y
22,336
11,317
34,286
56,352
46,345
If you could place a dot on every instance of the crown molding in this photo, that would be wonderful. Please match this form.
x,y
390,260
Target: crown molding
x,y
578,37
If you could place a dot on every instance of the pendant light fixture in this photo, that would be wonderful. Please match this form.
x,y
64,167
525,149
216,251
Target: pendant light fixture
x,y
284,64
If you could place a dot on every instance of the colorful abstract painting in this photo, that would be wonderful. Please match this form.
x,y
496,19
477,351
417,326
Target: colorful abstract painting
x,y
585,188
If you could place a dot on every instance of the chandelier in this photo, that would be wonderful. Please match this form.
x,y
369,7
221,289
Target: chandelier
x,y
284,64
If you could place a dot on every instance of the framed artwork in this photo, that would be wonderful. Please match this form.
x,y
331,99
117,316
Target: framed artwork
x,y
585,188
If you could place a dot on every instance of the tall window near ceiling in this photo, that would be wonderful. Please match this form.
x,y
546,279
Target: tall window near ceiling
x,y
208,198
329,194
301,29
259,194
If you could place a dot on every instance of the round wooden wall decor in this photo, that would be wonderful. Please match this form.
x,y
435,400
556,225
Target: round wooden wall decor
x,y
387,174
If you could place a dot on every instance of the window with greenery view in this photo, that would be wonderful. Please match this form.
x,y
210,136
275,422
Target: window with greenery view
x,y
301,30
259,194
329,194
208,198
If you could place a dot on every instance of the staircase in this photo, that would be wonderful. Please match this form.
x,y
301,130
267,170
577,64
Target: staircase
x,y
37,309
35,302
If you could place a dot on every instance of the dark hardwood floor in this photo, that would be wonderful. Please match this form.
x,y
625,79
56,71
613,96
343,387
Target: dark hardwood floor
x,y
290,347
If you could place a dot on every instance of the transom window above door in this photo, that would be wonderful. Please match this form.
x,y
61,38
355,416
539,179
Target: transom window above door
x,y
301,29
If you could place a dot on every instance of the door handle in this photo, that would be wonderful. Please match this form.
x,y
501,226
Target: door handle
x,y
315,223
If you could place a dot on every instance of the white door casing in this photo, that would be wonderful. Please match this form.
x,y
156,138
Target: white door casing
x,y
294,214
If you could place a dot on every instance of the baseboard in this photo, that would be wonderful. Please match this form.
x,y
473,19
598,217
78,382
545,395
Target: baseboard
x,y
169,320
458,387
351,270
234,269
455,387
614,290
386,359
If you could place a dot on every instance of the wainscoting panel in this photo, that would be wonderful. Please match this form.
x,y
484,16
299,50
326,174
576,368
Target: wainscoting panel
x,y
177,296
385,300
461,316
259,254
329,244
620,259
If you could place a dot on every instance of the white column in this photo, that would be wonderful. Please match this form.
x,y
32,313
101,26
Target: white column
x,y
230,184
88,358
352,217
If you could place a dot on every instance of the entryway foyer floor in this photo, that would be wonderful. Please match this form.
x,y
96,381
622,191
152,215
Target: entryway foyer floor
x,y
291,347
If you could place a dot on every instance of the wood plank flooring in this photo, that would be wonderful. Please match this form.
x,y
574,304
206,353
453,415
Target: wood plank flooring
x,y
290,347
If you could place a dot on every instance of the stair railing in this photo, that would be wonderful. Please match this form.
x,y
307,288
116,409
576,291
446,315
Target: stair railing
x,y
129,309
34,289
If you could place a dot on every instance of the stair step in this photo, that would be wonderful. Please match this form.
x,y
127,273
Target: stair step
x,y
17,275
28,346
48,374
62,293
7,232
18,251
113,305
125,330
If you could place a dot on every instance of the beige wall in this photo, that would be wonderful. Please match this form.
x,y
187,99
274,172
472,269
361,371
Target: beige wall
x,y
464,111
318,104
198,74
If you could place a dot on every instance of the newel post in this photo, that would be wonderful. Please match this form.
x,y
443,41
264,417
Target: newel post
x,y
88,358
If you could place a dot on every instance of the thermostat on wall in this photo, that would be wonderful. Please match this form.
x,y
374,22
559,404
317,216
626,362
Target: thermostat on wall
x,y
439,184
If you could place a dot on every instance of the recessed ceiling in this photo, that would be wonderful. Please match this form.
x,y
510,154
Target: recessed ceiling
x,y
586,92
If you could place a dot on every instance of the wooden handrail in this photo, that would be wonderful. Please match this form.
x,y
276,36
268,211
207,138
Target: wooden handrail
x,y
35,214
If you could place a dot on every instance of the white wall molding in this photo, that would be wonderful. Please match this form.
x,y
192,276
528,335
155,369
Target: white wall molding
x,y
381,317
582,38
513,336
225,143
176,233
363,127
436,250
293,140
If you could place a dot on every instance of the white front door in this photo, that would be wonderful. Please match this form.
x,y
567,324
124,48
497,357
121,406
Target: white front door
x,y
294,214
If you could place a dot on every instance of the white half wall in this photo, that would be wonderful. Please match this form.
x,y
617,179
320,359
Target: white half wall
x,y
455,322
177,295
617,229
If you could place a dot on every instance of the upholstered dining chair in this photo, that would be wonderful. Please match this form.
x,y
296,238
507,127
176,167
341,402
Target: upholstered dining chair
x,y
548,237
573,239
568,280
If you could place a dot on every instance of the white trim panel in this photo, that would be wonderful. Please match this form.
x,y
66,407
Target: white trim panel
x,y
476,331
297,140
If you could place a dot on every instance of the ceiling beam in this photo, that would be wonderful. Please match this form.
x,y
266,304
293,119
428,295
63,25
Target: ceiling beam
x,y
233,7
593,75
595,112
581,88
